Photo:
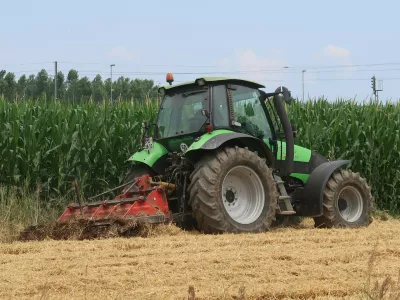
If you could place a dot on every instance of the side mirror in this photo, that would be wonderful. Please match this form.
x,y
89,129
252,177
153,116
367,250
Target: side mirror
x,y
286,95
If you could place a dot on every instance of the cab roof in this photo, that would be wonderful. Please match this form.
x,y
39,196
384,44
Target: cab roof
x,y
215,80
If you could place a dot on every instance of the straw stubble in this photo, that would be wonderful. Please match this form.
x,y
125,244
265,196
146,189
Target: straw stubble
x,y
284,263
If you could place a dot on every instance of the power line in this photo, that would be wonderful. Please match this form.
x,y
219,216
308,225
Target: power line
x,y
345,79
32,71
26,64
351,66
136,65
357,70
278,68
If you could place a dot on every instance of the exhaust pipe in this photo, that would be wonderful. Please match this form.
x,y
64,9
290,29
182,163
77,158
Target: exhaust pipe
x,y
287,129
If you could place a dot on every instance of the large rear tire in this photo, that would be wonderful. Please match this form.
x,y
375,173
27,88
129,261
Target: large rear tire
x,y
233,190
347,201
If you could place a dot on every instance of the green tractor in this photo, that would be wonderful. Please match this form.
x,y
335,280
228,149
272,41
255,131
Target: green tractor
x,y
221,156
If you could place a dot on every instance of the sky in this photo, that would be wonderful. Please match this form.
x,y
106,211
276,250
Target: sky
x,y
339,44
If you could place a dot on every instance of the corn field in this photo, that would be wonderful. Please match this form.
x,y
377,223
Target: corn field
x,y
367,134
49,144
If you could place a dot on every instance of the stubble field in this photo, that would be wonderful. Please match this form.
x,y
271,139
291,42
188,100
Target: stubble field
x,y
286,263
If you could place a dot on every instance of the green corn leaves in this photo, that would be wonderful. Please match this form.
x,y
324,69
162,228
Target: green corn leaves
x,y
51,143
366,133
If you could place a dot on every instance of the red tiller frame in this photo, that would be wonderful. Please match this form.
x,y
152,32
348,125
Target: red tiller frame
x,y
146,201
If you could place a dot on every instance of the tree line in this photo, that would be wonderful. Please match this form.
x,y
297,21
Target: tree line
x,y
73,88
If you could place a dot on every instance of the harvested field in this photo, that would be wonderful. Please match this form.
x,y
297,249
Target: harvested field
x,y
284,263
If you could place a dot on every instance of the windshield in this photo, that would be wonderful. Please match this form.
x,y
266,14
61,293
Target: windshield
x,y
181,112
249,112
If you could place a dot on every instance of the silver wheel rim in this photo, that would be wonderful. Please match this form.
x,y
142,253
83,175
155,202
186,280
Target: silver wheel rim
x,y
350,204
243,195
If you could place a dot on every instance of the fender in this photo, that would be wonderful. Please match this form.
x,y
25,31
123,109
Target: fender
x,y
309,200
214,140
151,157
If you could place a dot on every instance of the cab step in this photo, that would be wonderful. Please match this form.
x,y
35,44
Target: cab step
x,y
284,204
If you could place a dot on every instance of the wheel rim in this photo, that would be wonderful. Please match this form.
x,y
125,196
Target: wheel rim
x,y
350,204
243,195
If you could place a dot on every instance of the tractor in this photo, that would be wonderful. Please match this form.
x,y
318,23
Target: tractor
x,y
221,157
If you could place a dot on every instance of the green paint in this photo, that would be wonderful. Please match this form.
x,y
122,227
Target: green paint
x,y
301,154
174,144
302,177
207,136
151,156
215,79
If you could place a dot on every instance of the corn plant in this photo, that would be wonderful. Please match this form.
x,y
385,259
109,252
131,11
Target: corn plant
x,y
52,143
367,134
49,144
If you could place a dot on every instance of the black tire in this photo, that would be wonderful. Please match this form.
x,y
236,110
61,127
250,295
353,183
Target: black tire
x,y
334,205
206,197
287,221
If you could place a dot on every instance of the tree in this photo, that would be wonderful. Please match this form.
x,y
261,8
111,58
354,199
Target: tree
x,y
72,80
21,86
31,86
61,88
107,86
141,89
122,88
42,83
2,82
84,88
98,88
74,88
10,86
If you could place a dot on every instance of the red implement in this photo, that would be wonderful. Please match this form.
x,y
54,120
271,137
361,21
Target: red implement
x,y
143,200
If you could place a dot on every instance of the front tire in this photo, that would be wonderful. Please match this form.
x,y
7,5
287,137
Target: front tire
x,y
347,201
233,190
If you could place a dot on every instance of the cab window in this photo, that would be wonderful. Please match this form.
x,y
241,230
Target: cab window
x,y
220,107
249,113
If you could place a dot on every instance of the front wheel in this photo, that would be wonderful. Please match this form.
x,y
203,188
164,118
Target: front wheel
x,y
233,190
347,201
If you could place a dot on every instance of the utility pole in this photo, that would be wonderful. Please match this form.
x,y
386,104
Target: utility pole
x,y
373,85
302,73
111,89
374,88
55,80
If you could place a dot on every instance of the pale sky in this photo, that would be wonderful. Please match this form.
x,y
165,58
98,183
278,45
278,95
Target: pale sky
x,y
340,44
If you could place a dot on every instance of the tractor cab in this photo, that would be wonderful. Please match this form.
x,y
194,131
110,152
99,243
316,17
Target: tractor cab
x,y
192,109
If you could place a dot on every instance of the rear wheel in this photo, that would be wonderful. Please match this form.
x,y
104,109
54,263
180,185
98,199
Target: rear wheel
x,y
233,190
347,201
